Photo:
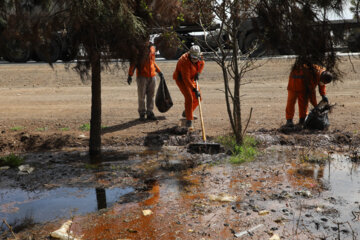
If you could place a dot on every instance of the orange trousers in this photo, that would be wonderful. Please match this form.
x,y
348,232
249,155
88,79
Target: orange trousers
x,y
303,103
191,101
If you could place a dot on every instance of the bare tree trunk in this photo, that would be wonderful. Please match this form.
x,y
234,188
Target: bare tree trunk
x,y
227,97
237,76
95,122
357,8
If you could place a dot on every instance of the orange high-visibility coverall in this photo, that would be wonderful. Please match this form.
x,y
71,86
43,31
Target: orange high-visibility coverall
x,y
184,76
146,81
148,68
301,87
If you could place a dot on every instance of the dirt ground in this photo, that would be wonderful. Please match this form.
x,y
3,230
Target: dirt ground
x,y
44,108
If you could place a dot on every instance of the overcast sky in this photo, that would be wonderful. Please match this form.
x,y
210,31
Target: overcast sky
x,y
346,15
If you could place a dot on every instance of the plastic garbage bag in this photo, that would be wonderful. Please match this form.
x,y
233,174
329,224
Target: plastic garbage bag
x,y
318,117
163,99
63,232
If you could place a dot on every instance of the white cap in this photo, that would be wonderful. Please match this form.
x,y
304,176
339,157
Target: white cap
x,y
195,52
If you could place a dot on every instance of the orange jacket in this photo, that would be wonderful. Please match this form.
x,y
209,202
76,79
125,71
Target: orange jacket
x,y
303,80
148,68
186,70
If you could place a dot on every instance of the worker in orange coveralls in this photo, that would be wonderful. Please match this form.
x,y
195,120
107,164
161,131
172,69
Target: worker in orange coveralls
x,y
187,71
146,82
302,87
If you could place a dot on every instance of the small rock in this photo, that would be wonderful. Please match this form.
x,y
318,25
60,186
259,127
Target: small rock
x,y
222,198
324,219
25,169
319,209
306,193
263,212
275,237
147,212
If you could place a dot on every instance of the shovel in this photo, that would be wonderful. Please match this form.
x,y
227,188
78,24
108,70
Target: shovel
x,y
203,147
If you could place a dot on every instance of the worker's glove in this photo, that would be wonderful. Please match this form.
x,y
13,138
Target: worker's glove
x,y
197,93
161,75
197,76
129,80
325,99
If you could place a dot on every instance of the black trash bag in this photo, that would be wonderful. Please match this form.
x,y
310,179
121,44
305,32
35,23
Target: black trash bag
x,y
163,99
318,117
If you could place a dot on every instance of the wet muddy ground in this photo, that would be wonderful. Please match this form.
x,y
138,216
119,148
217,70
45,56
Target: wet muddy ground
x,y
303,184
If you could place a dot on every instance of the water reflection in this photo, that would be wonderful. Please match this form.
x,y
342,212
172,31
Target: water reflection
x,y
101,198
343,178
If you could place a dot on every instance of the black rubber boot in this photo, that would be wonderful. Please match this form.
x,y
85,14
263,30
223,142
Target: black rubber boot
x,y
151,116
142,117
301,121
289,123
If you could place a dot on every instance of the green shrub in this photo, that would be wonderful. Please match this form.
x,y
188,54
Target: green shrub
x,y
240,153
85,127
64,129
11,160
16,128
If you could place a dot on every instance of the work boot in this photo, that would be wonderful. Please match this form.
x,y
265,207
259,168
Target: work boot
x,y
189,125
301,121
142,117
184,115
151,116
289,123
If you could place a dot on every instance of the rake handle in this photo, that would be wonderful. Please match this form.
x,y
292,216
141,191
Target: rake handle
x,y
201,116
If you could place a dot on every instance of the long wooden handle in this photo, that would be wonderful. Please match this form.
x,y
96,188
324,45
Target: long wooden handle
x,y
201,116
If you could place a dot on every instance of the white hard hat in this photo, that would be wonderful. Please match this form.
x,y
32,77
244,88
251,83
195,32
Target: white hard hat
x,y
195,52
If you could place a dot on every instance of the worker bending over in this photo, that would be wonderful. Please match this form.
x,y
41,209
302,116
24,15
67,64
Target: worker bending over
x,y
187,71
146,83
302,84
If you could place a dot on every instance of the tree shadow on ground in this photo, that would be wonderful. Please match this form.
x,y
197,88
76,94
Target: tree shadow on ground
x,y
126,125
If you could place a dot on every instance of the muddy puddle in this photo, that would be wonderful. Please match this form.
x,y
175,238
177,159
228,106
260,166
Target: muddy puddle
x,y
49,205
308,200
287,191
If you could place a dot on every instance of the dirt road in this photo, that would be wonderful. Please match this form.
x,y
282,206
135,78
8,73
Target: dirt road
x,y
37,99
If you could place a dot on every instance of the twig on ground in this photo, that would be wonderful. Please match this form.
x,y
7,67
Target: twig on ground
x,y
298,221
10,228
353,233
248,121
